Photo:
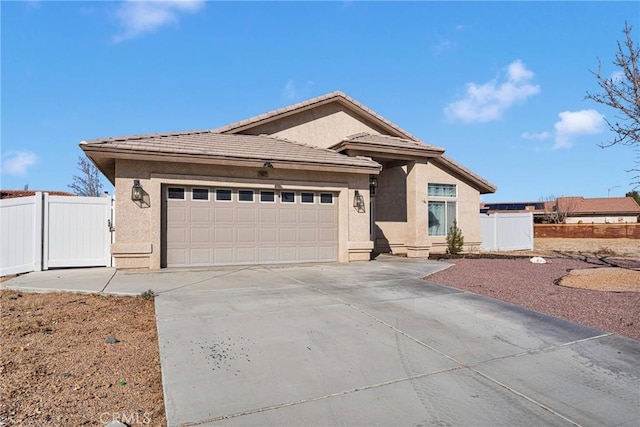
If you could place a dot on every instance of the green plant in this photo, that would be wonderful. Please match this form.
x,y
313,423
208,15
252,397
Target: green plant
x,y
455,239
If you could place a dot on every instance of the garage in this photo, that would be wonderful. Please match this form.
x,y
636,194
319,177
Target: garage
x,y
210,226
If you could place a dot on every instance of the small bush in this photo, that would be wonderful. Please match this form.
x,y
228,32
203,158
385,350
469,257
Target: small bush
x,y
604,250
148,294
455,239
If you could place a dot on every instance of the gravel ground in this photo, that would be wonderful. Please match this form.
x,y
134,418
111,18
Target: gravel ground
x,y
56,368
533,286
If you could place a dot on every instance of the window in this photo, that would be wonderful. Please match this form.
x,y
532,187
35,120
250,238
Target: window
x,y
441,190
307,198
245,195
326,198
223,195
268,196
199,194
175,193
287,197
443,208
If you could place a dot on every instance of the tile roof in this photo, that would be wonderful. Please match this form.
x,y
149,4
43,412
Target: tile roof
x,y
392,141
227,146
600,205
323,99
484,185
12,194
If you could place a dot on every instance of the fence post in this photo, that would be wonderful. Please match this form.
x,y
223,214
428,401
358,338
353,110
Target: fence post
x,y
38,234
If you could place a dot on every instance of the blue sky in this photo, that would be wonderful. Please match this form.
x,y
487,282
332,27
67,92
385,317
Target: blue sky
x,y
499,85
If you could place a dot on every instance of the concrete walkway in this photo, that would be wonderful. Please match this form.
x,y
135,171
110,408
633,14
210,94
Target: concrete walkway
x,y
366,344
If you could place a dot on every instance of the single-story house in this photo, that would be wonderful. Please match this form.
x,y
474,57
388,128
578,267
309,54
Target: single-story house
x,y
573,210
327,179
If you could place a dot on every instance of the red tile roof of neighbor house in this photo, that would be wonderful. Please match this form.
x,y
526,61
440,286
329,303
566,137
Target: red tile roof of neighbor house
x,y
600,205
12,194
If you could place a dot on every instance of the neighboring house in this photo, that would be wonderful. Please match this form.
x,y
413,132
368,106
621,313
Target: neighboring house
x,y
12,194
573,210
326,179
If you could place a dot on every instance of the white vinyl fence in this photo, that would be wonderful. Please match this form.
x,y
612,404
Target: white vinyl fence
x,y
43,231
506,231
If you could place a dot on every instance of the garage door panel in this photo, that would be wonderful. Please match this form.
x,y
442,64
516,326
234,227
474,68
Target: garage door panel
x,y
288,254
223,214
326,234
307,235
268,254
201,235
246,235
223,255
268,235
268,216
246,215
200,256
246,255
200,214
308,216
288,215
288,235
227,232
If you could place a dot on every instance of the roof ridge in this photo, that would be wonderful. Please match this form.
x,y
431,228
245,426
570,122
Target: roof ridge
x,y
138,136
302,104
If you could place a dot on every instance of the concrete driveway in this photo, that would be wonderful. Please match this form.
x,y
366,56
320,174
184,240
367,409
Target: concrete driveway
x,y
366,344
372,344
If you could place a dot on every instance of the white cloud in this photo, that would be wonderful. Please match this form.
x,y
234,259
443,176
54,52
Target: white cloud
x,y
573,123
139,17
487,102
292,91
16,162
540,136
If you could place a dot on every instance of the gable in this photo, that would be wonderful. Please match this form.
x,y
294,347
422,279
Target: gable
x,y
322,121
322,126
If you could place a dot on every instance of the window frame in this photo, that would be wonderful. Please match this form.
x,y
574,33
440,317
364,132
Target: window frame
x,y
184,192
267,192
302,194
293,193
446,200
253,194
200,200
333,198
217,199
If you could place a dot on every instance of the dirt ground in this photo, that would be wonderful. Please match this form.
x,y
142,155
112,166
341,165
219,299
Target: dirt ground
x,y
57,368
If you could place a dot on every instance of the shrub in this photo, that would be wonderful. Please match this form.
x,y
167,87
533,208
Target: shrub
x,y
455,239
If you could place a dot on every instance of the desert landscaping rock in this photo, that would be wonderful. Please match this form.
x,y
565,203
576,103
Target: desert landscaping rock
x,y
111,340
609,279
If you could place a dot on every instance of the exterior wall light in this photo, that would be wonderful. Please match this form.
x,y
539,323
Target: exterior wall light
x,y
137,194
373,184
267,165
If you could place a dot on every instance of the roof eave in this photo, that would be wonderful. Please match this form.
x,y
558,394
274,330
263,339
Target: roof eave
x,y
96,153
482,185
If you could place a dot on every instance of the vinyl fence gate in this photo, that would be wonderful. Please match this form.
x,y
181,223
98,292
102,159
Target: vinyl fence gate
x,y
43,231
506,231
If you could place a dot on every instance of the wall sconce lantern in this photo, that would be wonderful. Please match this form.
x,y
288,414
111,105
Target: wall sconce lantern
x,y
267,165
373,185
137,194
358,201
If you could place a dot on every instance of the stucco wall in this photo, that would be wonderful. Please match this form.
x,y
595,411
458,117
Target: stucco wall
x,y
138,226
322,126
392,229
601,219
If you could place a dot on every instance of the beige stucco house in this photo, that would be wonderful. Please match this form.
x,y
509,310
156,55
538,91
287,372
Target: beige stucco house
x,y
323,180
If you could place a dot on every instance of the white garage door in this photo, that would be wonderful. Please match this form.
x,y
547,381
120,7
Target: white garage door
x,y
223,226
